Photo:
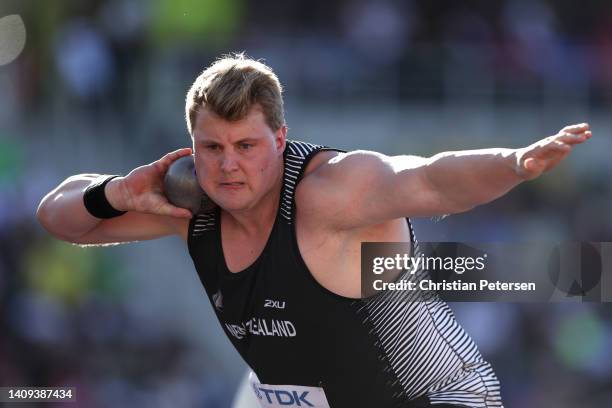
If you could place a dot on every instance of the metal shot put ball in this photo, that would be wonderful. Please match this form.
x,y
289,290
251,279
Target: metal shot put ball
x,y
182,189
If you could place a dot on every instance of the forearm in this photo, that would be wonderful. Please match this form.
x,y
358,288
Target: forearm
x,y
472,177
62,212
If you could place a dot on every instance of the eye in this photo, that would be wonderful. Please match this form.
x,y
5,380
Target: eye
x,y
211,147
245,146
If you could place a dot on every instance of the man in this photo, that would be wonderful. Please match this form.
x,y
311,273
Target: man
x,y
279,256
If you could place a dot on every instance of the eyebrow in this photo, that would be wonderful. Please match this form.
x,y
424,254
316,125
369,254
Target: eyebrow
x,y
246,139
250,139
206,142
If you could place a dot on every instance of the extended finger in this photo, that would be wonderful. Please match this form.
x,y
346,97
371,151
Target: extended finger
x,y
578,128
552,148
573,138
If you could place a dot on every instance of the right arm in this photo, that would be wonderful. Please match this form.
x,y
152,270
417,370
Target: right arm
x,y
149,214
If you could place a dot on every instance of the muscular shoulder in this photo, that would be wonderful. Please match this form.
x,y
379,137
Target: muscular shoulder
x,y
335,167
335,185
319,162
307,192
320,196
315,172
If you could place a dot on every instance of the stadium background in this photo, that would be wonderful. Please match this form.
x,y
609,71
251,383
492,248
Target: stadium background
x,y
99,88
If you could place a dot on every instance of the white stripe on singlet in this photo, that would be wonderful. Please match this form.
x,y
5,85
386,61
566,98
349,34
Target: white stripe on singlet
x,y
428,350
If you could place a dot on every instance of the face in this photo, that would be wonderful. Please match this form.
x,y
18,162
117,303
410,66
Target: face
x,y
238,164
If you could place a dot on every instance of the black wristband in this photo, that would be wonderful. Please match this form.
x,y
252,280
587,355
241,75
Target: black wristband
x,y
96,203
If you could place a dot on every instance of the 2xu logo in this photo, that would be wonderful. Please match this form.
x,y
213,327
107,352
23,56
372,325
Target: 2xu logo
x,y
277,304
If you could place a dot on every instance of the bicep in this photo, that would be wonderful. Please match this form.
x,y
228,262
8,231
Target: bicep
x,y
364,188
134,226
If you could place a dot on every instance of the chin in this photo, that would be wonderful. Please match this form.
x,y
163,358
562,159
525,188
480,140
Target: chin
x,y
232,205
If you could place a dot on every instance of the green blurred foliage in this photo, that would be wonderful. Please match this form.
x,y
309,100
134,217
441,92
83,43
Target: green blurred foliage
x,y
72,274
207,21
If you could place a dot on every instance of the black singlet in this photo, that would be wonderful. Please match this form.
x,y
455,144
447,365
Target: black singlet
x,y
361,352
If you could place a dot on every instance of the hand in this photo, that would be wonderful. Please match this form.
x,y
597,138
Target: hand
x,y
542,156
142,189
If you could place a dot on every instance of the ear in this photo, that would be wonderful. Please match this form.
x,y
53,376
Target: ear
x,y
281,139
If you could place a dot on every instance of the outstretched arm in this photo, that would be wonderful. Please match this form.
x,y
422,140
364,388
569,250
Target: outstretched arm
x,y
473,177
365,188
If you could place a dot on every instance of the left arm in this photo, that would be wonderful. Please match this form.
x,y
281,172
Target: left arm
x,y
474,177
362,188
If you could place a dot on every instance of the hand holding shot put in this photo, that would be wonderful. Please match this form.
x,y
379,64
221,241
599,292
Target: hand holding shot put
x,y
140,195
143,189
289,211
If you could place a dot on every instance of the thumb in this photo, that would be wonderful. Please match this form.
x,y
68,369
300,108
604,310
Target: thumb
x,y
173,211
533,167
180,212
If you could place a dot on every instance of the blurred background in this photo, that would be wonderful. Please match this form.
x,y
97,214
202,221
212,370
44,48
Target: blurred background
x,y
98,87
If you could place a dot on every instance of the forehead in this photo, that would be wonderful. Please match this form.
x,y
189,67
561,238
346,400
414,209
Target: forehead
x,y
209,125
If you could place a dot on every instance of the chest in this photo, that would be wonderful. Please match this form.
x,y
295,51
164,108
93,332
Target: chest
x,y
333,259
240,254
240,251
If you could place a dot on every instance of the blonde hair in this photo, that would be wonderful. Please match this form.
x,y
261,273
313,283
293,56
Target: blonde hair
x,y
231,86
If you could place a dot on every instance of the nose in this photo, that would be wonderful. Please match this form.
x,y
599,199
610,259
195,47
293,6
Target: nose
x,y
228,163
